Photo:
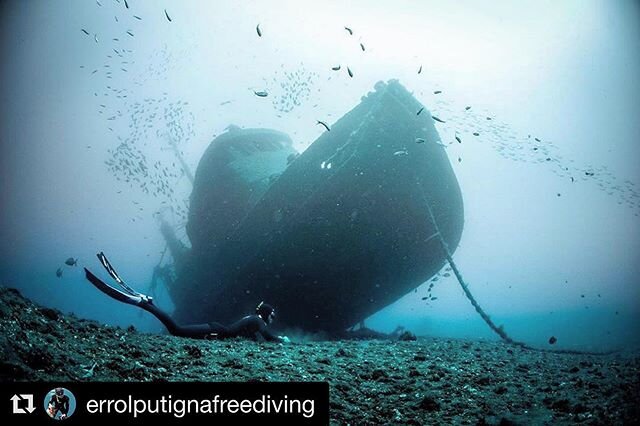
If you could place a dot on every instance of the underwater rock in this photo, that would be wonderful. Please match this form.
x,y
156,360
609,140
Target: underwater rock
x,y
420,357
407,336
11,366
429,404
193,351
501,390
50,314
561,405
328,246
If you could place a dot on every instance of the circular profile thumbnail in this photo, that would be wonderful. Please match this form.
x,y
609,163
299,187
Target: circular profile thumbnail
x,y
59,403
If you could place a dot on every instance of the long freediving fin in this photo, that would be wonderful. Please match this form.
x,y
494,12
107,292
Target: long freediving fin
x,y
105,262
110,291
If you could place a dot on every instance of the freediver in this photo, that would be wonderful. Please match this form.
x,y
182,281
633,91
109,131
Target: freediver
x,y
251,326
59,402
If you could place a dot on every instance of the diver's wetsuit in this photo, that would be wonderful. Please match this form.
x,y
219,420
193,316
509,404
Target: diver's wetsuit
x,y
59,404
251,326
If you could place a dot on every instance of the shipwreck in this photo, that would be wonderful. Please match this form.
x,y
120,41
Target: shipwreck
x,y
330,235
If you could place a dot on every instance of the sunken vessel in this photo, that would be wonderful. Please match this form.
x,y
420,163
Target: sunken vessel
x,y
328,236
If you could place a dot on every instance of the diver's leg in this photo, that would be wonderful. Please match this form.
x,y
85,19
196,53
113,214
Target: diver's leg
x,y
191,330
145,302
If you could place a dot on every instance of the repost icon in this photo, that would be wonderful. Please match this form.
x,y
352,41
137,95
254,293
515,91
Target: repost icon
x,y
22,407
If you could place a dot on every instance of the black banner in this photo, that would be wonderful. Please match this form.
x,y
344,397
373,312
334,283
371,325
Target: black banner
x,y
299,403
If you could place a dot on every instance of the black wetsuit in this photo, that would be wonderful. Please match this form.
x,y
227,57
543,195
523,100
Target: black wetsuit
x,y
59,404
251,326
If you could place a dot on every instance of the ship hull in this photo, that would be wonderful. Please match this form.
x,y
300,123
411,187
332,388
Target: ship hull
x,y
344,229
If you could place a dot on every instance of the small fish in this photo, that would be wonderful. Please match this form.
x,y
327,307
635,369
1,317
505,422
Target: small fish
x,y
323,124
537,140
137,17
362,46
437,92
458,139
420,140
437,119
126,4
59,273
95,37
420,69
258,30
425,298
85,31
130,33
476,134
349,30
552,340
420,110
71,261
262,94
98,3
434,298
459,160
350,72
467,108
336,68
403,152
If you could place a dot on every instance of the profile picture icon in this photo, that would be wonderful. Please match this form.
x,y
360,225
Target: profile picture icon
x,y
59,403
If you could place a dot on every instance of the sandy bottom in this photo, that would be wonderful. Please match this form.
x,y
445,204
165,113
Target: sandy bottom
x,y
428,381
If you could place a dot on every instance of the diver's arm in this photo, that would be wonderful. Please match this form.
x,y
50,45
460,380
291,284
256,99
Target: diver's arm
x,y
268,335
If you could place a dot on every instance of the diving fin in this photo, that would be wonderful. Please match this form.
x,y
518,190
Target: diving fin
x,y
105,262
110,291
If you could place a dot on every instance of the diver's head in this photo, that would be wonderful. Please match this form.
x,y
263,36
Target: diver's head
x,y
59,392
266,312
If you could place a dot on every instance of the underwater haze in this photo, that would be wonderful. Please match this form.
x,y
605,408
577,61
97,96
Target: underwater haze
x,y
538,103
